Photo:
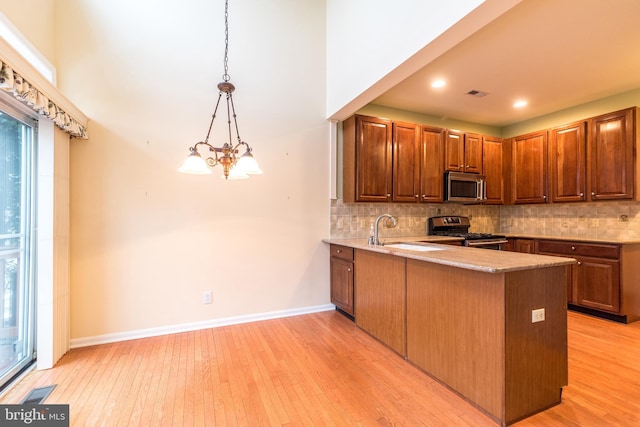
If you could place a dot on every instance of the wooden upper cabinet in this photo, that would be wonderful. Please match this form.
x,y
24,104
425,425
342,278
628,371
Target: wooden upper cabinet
x,y
454,151
493,165
567,162
472,153
367,159
386,161
611,155
463,152
529,168
432,164
406,162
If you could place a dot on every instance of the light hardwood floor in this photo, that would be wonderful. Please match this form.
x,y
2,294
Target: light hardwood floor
x,y
317,369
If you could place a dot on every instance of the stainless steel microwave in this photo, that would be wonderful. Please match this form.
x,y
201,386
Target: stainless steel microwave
x,y
464,187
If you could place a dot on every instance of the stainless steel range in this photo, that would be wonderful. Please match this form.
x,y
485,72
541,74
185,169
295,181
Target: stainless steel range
x,y
458,226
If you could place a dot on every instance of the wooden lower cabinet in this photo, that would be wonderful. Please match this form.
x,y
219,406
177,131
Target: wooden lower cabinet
x,y
341,270
526,246
472,330
605,279
597,284
380,291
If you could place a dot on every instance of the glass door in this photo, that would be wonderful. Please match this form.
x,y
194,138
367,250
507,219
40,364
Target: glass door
x,y
17,237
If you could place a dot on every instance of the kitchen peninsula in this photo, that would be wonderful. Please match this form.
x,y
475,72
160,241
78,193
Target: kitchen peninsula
x,y
490,325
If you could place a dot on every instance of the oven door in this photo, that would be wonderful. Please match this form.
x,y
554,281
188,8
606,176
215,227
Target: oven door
x,y
495,244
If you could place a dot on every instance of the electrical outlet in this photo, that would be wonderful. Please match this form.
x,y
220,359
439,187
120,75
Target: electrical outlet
x,y
537,315
207,297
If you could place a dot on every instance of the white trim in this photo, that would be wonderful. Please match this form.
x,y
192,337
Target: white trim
x,y
23,46
195,326
333,158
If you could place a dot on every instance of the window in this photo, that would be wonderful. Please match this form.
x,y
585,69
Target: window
x,y
17,241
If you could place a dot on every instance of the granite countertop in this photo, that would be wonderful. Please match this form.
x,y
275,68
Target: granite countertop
x,y
486,260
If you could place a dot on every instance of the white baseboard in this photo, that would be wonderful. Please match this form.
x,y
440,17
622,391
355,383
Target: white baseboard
x,y
195,326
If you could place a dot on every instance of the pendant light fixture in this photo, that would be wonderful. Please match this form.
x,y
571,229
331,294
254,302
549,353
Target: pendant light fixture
x,y
234,166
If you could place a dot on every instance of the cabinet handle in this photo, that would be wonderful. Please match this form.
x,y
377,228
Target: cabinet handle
x,y
388,195
424,196
573,248
593,193
581,194
417,196
338,251
579,262
348,269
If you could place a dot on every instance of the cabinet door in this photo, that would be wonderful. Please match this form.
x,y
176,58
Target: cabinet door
x,y
493,167
432,165
342,284
598,284
373,159
612,156
529,168
406,162
524,245
472,153
454,151
567,163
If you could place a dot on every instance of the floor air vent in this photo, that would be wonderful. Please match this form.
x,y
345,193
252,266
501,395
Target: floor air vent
x,y
38,395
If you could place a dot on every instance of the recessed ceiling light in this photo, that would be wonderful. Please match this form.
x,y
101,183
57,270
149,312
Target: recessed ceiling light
x,y
520,104
438,83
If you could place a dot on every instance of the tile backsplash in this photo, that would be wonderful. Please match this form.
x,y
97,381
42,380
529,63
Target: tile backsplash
x,y
614,220
602,220
353,220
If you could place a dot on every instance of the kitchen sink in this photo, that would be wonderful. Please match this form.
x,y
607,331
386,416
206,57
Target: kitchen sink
x,y
413,247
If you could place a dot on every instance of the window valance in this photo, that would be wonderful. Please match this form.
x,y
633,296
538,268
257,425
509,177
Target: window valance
x,y
28,94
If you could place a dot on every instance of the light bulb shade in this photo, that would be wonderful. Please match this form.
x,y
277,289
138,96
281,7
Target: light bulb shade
x,y
236,173
194,164
248,164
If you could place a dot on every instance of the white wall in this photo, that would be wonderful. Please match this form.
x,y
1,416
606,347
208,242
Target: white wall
x,y
146,241
374,44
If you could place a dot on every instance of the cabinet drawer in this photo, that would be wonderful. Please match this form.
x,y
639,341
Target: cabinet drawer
x,y
342,252
574,248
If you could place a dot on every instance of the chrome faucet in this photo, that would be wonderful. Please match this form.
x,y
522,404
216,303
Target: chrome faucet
x,y
376,241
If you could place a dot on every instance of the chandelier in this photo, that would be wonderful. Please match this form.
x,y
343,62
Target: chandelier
x,y
234,165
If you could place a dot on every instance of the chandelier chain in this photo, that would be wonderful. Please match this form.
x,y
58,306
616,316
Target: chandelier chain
x,y
225,76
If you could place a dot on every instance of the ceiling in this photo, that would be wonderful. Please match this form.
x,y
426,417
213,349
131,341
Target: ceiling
x,y
553,53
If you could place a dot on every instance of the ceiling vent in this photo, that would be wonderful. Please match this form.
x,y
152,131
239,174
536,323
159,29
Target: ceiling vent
x,y
477,93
